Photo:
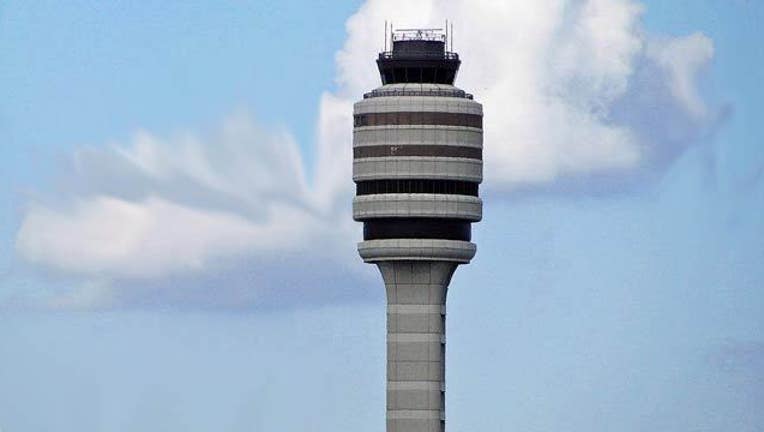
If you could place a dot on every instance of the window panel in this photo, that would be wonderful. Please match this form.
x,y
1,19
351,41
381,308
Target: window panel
x,y
418,118
450,187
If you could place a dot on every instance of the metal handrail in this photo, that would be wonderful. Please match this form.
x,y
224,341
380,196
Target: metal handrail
x,y
387,55
433,34
402,92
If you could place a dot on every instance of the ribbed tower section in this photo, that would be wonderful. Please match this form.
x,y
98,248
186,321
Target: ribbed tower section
x,y
417,164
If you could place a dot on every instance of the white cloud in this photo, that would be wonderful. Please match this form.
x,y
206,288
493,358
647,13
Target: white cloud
x,y
160,211
550,75
683,58
571,89
153,237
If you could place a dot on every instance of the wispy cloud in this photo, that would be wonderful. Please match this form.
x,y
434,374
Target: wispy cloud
x,y
228,209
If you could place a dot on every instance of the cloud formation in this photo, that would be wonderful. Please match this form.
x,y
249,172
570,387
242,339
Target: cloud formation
x,y
231,208
572,90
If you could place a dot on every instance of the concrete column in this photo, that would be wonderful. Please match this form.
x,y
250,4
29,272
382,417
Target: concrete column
x,y
416,344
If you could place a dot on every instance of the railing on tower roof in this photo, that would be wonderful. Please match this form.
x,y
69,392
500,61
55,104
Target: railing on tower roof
x,y
425,50
418,56
428,34
444,55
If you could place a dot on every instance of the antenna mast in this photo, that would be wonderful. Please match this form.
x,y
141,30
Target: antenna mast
x,y
446,41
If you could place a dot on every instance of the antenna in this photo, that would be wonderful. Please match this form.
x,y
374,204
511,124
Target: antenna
x,y
385,50
446,41
452,36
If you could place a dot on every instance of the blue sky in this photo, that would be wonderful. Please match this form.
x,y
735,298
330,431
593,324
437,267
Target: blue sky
x,y
628,300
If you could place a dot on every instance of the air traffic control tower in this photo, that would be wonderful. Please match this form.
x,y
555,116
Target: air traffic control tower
x,y
417,164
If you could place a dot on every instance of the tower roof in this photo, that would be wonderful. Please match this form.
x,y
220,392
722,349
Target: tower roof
x,y
418,56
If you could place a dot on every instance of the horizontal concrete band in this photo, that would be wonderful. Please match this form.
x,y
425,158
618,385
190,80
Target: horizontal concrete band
x,y
416,337
416,414
415,309
407,370
415,351
416,250
415,323
396,101
429,133
417,205
415,385
415,400
417,150
420,135
415,293
418,425
434,364
416,167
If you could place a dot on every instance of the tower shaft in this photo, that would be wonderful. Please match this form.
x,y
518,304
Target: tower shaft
x,y
416,344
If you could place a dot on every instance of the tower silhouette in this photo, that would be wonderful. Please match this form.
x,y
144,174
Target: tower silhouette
x,y
417,164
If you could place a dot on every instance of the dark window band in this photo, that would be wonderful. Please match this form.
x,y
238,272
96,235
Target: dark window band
x,y
418,118
389,186
421,228
418,150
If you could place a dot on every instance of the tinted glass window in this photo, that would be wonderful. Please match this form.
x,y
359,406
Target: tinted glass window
x,y
450,187
418,118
